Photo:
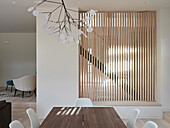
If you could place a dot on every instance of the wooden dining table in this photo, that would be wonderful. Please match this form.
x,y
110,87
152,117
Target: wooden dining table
x,y
83,117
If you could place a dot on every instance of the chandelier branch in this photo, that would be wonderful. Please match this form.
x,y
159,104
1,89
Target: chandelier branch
x,y
64,22
56,8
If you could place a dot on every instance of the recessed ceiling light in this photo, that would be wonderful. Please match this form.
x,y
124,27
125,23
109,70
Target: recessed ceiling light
x,y
13,2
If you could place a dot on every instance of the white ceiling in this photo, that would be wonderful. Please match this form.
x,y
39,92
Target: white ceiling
x,y
15,18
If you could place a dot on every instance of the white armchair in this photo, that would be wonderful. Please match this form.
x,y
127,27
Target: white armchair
x,y
26,83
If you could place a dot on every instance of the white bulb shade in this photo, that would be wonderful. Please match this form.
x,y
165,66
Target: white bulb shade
x,y
73,35
90,29
30,9
35,12
53,24
63,41
92,12
46,18
62,37
57,38
50,32
69,37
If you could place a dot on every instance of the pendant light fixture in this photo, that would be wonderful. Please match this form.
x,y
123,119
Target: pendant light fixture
x,y
62,26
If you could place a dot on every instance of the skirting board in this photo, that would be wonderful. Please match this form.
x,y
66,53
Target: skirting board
x,y
165,110
152,112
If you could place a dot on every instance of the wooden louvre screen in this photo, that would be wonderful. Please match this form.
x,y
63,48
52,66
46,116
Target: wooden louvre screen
x,y
117,62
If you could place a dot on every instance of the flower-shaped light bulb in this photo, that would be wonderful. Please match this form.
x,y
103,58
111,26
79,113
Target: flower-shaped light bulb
x,y
61,35
31,9
35,12
46,18
69,37
57,38
89,29
92,12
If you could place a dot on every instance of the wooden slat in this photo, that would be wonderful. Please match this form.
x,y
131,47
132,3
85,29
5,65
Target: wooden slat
x,y
116,35
128,60
123,58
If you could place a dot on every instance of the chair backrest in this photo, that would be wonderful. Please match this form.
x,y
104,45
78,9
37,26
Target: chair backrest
x,y
132,119
83,102
26,83
33,118
150,124
16,124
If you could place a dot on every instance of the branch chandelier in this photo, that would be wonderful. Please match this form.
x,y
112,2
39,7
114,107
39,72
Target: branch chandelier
x,y
62,27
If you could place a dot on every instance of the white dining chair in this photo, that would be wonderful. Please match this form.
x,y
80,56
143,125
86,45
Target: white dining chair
x,y
150,124
132,119
33,118
83,102
16,124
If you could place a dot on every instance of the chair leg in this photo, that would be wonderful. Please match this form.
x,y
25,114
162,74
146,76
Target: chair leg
x,y
15,92
35,92
11,88
22,94
6,87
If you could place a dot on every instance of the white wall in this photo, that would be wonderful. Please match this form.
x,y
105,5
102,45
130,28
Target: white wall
x,y
165,55
57,72
17,58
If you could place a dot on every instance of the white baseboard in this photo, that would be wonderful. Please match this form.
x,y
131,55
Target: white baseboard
x,y
165,110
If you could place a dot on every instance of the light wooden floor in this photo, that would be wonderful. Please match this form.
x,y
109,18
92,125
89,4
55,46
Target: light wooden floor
x,y
20,105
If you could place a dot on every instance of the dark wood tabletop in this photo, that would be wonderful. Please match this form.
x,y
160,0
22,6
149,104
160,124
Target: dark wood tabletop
x,y
88,117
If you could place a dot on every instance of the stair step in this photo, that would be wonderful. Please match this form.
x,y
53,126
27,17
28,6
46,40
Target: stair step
x,y
166,116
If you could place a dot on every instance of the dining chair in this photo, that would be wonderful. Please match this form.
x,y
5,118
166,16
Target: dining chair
x,y
83,102
33,118
132,119
16,124
150,124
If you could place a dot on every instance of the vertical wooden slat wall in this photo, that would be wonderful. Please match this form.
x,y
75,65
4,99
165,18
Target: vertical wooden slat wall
x,y
117,62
